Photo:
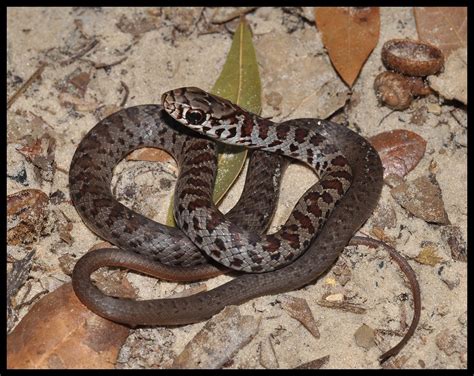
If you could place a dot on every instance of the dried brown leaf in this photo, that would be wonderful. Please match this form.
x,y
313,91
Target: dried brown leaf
x,y
422,197
80,81
40,152
298,309
60,332
349,34
400,150
445,27
26,215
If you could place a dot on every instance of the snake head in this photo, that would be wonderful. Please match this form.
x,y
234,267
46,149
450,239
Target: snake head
x,y
201,111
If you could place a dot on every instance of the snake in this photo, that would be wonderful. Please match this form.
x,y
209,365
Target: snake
x,y
99,151
115,136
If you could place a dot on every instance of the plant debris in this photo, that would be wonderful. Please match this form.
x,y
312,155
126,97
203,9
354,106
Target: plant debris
x,y
422,197
298,309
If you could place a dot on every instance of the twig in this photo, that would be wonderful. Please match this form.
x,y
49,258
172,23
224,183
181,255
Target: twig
x,y
384,117
415,288
233,15
108,65
25,86
85,50
127,92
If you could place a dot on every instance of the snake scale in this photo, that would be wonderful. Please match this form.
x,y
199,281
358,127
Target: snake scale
x,y
105,145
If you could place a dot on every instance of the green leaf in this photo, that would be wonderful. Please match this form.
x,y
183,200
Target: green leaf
x,y
238,82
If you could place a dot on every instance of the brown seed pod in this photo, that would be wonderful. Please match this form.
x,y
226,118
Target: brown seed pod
x,y
413,58
397,91
394,90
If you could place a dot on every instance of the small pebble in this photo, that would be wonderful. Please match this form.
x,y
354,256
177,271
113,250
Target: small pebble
x,y
365,337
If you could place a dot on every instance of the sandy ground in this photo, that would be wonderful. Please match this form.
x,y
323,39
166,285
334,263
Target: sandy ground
x,y
176,48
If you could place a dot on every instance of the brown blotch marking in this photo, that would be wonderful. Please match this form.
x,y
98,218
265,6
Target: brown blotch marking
x,y
198,239
214,220
316,139
263,130
333,184
236,262
300,135
342,174
304,221
293,239
220,244
198,203
315,209
313,197
272,244
327,198
232,132
293,228
282,130
257,268
293,147
216,253
195,223
339,161
247,126
275,256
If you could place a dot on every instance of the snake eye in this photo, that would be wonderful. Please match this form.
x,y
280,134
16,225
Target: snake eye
x,y
195,117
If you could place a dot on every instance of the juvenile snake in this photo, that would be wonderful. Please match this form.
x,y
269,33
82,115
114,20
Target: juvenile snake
x,y
351,211
114,137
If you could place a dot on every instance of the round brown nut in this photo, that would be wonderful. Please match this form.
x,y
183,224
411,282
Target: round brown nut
x,y
394,90
413,58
